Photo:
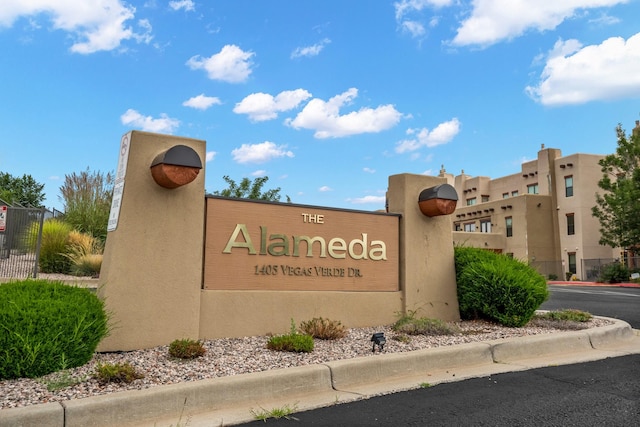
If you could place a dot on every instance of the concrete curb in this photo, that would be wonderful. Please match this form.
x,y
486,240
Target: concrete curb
x,y
229,400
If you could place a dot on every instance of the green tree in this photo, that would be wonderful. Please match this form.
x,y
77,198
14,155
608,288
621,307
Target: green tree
x,y
250,190
23,190
618,208
87,202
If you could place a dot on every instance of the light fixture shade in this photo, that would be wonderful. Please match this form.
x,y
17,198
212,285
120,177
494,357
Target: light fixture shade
x,y
439,200
176,167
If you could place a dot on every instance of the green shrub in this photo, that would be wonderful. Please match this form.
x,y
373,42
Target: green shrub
x,y
53,247
498,288
614,273
293,341
116,373
464,256
323,329
47,326
411,325
186,349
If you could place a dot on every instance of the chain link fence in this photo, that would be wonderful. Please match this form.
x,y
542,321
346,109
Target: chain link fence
x,y
20,238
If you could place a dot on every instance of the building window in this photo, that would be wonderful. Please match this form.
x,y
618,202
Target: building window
x,y
505,195
571,224
471,201
532,188
572,263
485,226
471,226
457,227
509,226
485,199
514,193
568,186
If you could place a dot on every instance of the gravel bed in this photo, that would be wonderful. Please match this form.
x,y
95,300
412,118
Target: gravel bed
x,y
233,356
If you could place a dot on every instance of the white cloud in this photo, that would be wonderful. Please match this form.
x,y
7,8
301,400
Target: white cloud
x,y
260,153
94,25
187,5
164,124
411,7
575,75
324,117
415,28
324,189
405,7
259,173
492,21
210,156
202,102
380,200
231,64
442,134
308,51
369,170
605,20
262,106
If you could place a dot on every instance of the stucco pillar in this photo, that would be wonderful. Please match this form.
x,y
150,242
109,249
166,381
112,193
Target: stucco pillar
x,y
151,273
427,271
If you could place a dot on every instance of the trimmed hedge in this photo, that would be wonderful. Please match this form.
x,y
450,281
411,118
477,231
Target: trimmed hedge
x,y
496,287
47,326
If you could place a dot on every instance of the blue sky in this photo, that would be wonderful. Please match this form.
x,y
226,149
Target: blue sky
x,y
326,98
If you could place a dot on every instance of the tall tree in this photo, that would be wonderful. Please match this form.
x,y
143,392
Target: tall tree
x,y
87,201
250,190
618,208
23,190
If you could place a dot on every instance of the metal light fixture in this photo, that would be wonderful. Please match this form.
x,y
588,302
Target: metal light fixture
x,y
379,340
438,200
177,166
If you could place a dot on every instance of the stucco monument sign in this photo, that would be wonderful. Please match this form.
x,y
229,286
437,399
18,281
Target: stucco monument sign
x,y
213,267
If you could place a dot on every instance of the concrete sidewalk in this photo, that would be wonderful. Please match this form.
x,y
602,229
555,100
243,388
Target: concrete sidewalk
x,y
231,400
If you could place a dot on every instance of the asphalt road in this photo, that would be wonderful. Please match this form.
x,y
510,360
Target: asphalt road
x,y
601,393
621,303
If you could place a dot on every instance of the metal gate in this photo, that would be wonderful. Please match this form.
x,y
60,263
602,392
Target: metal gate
x,y
20,238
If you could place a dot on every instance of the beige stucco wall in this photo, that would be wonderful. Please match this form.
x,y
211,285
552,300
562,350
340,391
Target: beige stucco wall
x,y
426,259
250,313
152,266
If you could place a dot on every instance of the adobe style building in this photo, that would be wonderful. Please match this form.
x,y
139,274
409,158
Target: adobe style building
x,y
541,215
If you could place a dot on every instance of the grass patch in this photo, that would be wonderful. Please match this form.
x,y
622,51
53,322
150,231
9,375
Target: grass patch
x,y
569,314
293,341
186,348
324,329
565,319
409,324
116,373
60,380
276,413
403,338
